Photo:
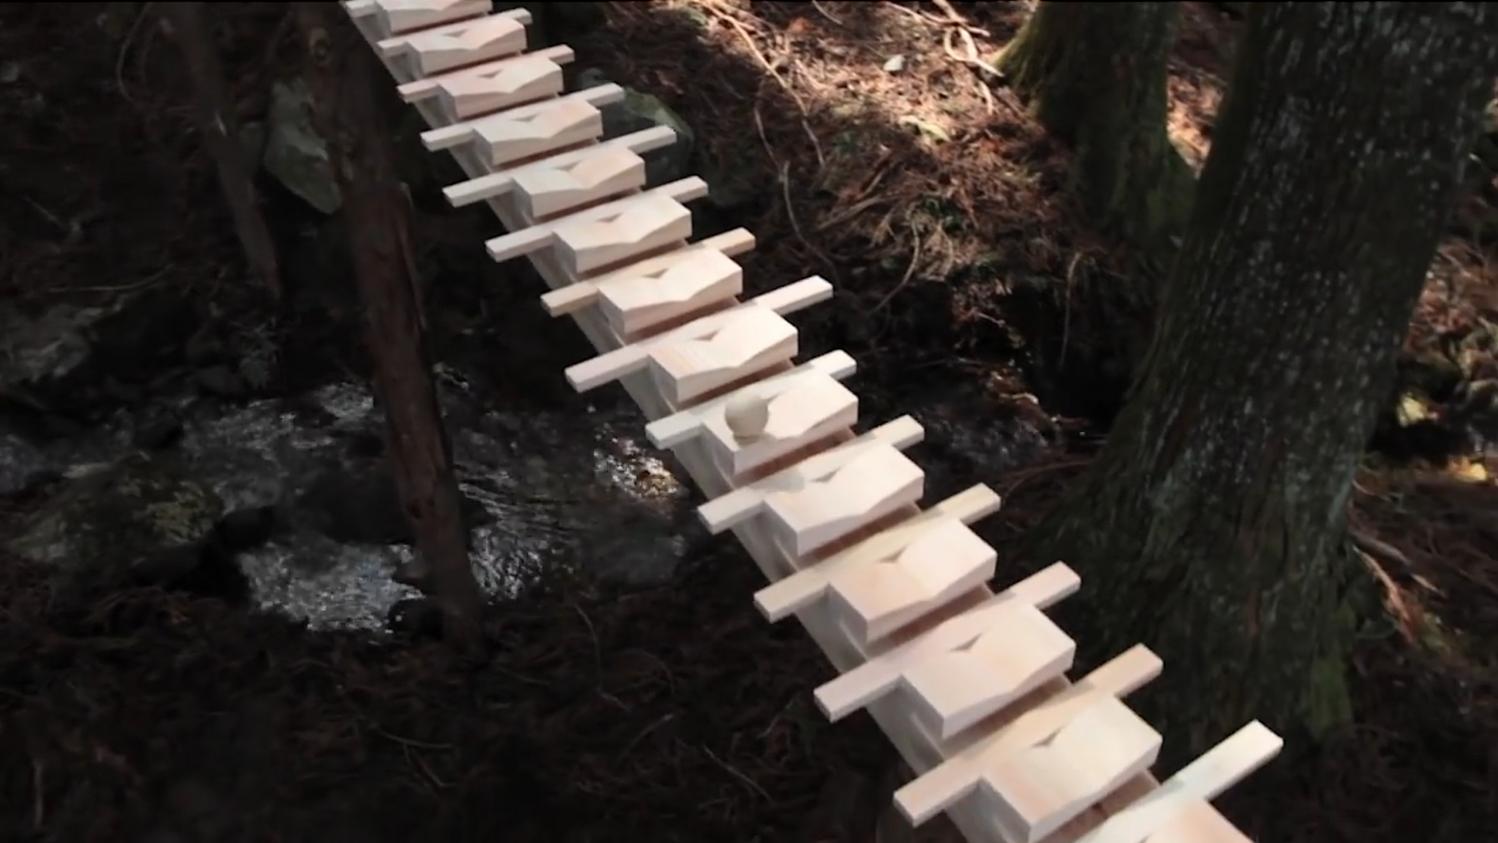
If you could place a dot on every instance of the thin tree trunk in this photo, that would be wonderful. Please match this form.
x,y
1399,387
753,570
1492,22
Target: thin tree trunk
x,y
1095,75
343,83
220,131
1212,527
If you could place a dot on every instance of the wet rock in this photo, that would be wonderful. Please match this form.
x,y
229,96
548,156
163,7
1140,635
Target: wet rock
x,y
44,354
137,520
356,503
156,429
295,154
23,463
639,111
49,359
221,381
247,528
416,616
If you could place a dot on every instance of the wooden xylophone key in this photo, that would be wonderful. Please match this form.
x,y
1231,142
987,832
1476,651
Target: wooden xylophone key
x,y
615,364
810,585
958,776
460,44
874,483
395,17
970,665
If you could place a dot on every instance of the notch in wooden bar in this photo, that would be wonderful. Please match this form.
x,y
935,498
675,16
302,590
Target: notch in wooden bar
x,y
467,42
673,430
647,204
897,576
749,341
743,503
495,185
395,17
546,192
615,364
958,776
1180,804
1041,787
644,223
701,278
809,585
629,313
971,665
529,130
872,484
458,80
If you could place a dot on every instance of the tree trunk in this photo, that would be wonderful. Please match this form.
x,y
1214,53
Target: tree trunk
x,y
220,131
375,217
1212,526
1095,73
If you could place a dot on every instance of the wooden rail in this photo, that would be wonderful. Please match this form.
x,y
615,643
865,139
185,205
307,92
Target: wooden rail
x,y
970,686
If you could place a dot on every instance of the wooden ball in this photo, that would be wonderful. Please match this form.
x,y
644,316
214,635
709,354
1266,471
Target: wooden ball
x,y
747,415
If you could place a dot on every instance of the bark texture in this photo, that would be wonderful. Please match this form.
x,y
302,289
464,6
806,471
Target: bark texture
x,y
1212,526
1095,75
220,131
344,79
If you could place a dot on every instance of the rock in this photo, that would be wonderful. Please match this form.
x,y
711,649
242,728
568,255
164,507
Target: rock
x,y
156,429
221,381
252,137
295,154
895,64
136,521
23,464
246,528
417,616
356,503
639,111
46,354
48,360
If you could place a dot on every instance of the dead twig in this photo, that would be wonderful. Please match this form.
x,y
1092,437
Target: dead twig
x,y
740,776
784,85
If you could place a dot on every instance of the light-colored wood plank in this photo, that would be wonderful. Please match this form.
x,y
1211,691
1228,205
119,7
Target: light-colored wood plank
x,y
613,365
639,303
644,224
502,182
874,483
944,562
500,124
425,88
673,430
441,48
793,414
749,341
956,777
395,17
808,585
946,678
1039,788
1202,780
567,187
746,501
542,235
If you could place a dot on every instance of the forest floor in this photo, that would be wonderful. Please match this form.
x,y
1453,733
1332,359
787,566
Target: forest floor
x,y
862,141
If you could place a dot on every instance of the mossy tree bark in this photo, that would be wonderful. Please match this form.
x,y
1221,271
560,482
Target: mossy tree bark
x,y
343,79
1095,75
1212,526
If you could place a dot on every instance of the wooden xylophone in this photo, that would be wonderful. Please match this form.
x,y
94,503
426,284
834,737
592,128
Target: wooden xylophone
x,y
970,686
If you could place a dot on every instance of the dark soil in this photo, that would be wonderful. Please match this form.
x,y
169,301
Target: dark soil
x,y
937,209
